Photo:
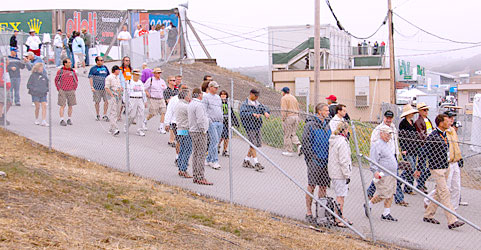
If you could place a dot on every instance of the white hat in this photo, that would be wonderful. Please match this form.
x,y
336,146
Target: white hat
x,y
407,110
386,129
422,106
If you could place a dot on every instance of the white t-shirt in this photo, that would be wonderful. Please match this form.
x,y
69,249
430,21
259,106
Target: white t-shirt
x,y
136,89
124,35
136,33
33,42
57,41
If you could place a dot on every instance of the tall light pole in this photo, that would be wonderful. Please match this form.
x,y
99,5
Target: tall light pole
x,y
392,65
317,51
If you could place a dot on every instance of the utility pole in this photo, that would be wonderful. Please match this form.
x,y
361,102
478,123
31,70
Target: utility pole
x,y
317,51
392,61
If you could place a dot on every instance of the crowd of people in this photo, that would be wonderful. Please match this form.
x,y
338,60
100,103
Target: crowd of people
x,y
197,122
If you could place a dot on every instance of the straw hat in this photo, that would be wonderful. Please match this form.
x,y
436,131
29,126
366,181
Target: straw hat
x,y
407,110
422,106
136,72
157,70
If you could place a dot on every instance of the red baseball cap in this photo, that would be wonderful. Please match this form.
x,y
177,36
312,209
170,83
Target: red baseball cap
x,y
331,97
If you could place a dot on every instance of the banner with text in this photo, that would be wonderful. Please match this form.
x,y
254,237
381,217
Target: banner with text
x,y
40,21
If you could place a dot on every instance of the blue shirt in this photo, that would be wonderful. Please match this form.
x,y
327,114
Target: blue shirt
x,y
98,75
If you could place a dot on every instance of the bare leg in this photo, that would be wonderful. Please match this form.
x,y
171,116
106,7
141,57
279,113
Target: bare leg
x,y
62,111
37,109
97,108
106,106
226,144
309,199
44,111
70,110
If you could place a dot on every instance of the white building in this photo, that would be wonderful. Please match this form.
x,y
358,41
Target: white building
x,y
282,39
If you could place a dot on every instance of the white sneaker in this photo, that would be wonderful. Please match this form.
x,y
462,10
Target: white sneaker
x,y
44,123
144,126
289,154
214,165
463,203
116,132
206,163
37,122
140,132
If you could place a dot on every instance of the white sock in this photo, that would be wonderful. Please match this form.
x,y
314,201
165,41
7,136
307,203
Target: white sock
x,y
247,158
61,119
370,204
69,117
386,211
254,159
176,156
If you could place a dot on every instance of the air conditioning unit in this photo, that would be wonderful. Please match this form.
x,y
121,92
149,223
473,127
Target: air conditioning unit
x,y
361,91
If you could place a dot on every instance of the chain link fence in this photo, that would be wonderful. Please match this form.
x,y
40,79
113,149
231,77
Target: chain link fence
x,y
255,163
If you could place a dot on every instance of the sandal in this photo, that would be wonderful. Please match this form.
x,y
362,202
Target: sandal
x,y
340,224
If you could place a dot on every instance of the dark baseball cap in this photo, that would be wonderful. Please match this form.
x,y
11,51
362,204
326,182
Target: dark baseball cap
x,y
255,92
285,90
389,114
450,113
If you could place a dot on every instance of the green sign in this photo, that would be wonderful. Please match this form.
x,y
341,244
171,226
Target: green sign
x,y
40,21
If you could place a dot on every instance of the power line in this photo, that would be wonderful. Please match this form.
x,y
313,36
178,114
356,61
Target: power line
x,y
349,33
226,43
432,34
442,51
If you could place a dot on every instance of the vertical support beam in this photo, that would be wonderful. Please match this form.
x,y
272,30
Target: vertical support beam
x,y
392,64
317,51
197,37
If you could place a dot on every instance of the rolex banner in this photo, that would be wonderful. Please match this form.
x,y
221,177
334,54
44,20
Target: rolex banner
x,y
40,21
102,24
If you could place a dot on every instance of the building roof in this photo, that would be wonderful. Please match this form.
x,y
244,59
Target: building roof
x,y
283,58
469,86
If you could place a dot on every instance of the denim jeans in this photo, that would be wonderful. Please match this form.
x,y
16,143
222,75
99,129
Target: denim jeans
x,y
408,175
58,54
215,131
425,173
87,59
184,152
70,56
16,89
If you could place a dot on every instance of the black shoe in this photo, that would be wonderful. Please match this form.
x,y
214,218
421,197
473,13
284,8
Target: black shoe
x,y
63,123
225,154
17,104
423,189
388,218
175,162
105,118
455,225
247,164
69,122
258,167
97,118
311,220
431,220
365,210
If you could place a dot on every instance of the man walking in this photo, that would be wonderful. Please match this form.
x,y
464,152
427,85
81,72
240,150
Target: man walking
x,y
315,147
170,121
66,82
183,137
290,121
170,92
198,126
115,91
88,42
97,76
58,45
213,107
33,43
251,112
78,49
424,127
14,64
381,153
436,152
137,99
154,89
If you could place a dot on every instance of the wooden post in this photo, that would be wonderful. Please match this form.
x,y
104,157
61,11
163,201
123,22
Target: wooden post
x,y
392,61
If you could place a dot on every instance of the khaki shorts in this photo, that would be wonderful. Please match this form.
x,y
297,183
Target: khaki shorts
x,y
99,95
80,56
157,106
386,187
66,97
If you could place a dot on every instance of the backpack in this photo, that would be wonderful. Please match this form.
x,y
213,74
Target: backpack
x,y
322,216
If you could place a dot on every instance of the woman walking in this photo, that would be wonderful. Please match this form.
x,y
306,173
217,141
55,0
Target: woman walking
x,y
37,86
225,131
409,145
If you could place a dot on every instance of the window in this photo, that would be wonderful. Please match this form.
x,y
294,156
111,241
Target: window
x,y
471,95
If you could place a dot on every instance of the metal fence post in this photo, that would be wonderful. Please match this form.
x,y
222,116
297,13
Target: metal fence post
x,y
47,52
366,200
127,126
230,105
5,101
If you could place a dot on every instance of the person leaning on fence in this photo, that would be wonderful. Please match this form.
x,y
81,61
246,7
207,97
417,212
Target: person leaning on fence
x,y
66,82
394,147
183,137
381,153
290,121
455,162
198,126
213,107
154,89
14,64
114,89
424,127
339,166
37,86
225,131
315,147
436,152
408,142
97,76
135,95
251,112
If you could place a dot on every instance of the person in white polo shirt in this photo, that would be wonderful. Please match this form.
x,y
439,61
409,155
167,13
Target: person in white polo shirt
x,y
135,95
154,90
